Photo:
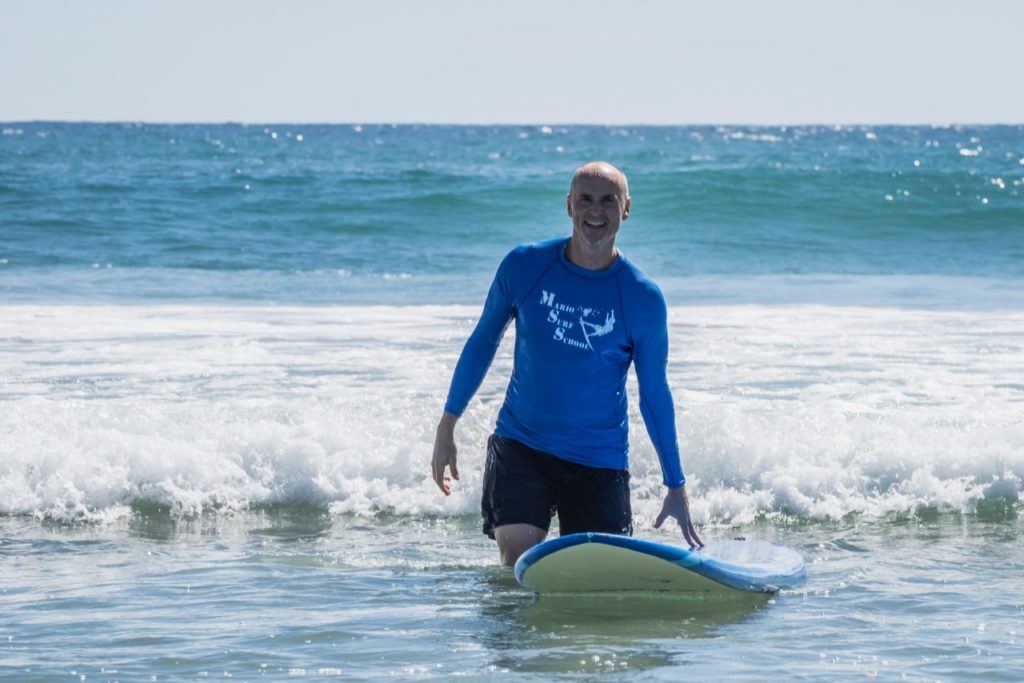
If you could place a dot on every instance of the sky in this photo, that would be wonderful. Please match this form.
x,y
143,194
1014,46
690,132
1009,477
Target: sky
x,y
513,61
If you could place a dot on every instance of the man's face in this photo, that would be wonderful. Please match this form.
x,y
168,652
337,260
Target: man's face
x,y
597,205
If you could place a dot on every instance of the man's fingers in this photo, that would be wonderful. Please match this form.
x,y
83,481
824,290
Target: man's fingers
x,y
686,533
693,532
689,533
689,527
660,520
444,455
437,470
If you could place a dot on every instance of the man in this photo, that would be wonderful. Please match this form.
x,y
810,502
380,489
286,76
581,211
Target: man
x,y
583,314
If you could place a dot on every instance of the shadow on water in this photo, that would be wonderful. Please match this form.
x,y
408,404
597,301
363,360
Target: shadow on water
x,y
588,633
641,615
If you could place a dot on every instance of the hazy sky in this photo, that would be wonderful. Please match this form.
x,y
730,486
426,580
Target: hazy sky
x,y
460,61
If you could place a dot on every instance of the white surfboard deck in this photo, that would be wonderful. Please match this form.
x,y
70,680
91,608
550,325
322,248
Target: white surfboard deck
x,y
593,562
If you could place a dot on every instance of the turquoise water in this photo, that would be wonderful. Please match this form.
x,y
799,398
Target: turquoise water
x,y
421,214
223,352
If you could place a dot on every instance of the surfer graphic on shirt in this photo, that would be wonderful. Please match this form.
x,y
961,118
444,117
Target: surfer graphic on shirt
x,y
587,328
596,330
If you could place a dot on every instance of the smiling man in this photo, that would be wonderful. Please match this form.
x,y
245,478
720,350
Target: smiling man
x,y
583,314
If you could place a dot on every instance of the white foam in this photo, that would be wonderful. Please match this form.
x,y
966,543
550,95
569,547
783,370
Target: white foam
x,y
808,410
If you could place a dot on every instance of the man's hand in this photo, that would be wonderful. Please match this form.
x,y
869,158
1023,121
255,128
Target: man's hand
x,y
444,453
676,505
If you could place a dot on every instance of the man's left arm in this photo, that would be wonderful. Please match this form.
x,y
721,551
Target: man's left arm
x,y
650,357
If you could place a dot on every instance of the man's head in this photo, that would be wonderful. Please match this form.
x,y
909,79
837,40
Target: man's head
x,y
598,202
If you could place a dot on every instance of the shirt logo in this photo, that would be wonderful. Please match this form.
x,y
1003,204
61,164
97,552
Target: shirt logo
x,y
576,326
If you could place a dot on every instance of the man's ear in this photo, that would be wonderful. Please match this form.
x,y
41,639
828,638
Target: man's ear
x,y
625,210
568,204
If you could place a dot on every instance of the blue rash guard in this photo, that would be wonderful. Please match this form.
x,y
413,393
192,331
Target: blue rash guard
x,y
577,331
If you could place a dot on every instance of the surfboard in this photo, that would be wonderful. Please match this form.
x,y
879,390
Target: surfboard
x,y
594,562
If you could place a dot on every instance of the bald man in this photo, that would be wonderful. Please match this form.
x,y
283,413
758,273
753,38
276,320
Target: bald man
x,y
584,313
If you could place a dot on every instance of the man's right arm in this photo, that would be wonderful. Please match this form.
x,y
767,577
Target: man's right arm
x,y
470,371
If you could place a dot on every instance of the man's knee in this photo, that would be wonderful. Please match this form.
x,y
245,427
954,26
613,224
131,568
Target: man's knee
x,y
515,539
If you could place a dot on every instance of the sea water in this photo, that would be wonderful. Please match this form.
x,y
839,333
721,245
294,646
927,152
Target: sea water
x,y
224,350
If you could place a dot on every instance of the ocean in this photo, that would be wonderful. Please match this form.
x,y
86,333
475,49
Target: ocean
x,y
224,350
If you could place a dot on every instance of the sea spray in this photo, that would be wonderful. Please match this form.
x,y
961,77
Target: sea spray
x,y
804,411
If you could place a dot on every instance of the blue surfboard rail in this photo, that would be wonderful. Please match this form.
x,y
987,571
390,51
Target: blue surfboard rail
x,y
744,578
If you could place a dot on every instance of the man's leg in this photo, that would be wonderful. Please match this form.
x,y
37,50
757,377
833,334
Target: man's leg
x,y
593,499
518,499
515,539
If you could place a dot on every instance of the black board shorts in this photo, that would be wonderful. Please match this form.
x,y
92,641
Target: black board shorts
x,y
527,486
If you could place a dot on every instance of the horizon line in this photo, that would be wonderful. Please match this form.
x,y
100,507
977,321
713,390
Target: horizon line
x,y
946,124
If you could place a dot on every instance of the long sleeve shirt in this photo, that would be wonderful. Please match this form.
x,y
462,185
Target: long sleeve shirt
x,y
577,332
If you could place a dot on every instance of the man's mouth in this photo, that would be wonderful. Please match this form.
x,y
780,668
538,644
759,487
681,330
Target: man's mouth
x,y
595,224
